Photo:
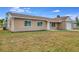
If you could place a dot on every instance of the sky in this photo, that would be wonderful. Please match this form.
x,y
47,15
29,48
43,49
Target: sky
x,y
50,12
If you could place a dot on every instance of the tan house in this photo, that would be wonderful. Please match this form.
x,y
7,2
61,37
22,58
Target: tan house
x,y
19,22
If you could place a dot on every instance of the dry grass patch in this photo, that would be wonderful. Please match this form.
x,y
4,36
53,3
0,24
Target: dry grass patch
x,y
44,41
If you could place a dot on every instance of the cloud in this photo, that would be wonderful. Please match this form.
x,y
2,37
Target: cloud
x,y
56,11
27,10
17,9
1,17
20,10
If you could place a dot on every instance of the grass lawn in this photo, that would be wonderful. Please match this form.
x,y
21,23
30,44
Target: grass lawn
x,y
44,41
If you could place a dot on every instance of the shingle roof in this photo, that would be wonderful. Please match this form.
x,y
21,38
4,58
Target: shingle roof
x,y
16,15
58,19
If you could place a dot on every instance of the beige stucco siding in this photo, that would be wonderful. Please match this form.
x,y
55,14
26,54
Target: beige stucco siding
x,y
58,26
19,25
62,25
53,28
10,24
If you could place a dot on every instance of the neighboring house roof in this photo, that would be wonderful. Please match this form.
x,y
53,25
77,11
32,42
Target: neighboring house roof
x,y
16,15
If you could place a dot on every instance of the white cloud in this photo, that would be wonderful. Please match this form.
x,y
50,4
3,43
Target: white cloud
x,y
17,9
20,10
1,17
27,10
56,11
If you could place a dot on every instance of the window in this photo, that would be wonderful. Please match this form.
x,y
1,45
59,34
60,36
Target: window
x,y
27,23
53,24
39,23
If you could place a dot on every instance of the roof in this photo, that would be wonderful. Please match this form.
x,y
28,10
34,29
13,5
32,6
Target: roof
x,y
59,19
16,15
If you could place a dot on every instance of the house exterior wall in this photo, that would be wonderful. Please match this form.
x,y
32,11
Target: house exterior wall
x,y
11,24
74,26
19,25
63,25
48,25
15,24
58,26
8,21
66,24
69,25
53,28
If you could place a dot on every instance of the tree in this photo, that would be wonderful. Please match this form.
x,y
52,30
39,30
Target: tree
x,y
58,16
1,22
77,21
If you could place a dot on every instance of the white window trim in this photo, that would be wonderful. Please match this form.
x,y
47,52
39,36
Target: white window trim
x,y
28,20
54,24
39,21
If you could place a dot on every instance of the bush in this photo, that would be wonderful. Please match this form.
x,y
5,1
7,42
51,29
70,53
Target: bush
x,y
4,28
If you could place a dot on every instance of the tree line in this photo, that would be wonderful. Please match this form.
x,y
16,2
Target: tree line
x,y
1,22
77,21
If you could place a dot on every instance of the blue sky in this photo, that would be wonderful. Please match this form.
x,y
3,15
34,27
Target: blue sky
x,y
49,12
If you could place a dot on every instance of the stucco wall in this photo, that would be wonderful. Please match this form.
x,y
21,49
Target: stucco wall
x,y
19,25
10,24
69,24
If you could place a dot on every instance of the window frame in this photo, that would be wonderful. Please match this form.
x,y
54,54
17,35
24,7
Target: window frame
x,y
28,25
53,24
38,23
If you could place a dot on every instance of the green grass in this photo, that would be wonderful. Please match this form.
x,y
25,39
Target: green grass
x,y
39,41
